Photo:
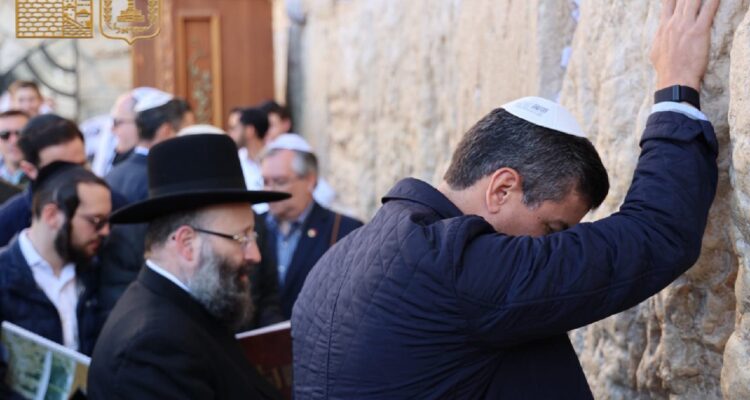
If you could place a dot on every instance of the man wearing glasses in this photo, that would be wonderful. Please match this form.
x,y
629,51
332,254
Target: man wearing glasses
x,y
300,229
11,123
171,334
46,283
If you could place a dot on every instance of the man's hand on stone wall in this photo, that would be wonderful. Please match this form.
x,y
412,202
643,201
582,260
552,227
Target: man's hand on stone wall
x,y
679,52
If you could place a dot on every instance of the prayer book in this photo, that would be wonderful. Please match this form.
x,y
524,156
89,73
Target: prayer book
x,y
269,349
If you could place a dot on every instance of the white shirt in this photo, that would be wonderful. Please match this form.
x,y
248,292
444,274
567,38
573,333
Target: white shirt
x,y
60,290
684,109
141,150
163,272
253,177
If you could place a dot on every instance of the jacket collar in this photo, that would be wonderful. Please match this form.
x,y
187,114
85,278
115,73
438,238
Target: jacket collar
x,y
412,189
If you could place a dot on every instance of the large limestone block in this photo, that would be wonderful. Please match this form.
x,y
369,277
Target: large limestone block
x,y
388,87
672,345
735,376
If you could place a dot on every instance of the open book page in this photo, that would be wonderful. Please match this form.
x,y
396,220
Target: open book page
x,y
39,368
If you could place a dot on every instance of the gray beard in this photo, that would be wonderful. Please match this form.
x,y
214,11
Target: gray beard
x,y
217,286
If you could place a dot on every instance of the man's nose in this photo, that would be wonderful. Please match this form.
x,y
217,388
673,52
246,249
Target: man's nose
x,y
252,253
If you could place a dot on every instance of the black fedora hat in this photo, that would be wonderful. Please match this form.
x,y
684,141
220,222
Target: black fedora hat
x,y
190,172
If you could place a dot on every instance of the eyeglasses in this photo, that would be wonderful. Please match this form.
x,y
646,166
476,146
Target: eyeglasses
x,y
242,238
119,121
97,222
279,182
5,135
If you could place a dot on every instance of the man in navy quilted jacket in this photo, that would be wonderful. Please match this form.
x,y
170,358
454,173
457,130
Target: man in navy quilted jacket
x,y
467,290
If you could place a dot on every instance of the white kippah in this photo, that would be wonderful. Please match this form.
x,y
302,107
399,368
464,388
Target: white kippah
x,y
200,129
290,141
147,98
544,113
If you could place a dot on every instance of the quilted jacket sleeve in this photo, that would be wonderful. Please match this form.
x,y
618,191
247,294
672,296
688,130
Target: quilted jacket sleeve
x,y
515,289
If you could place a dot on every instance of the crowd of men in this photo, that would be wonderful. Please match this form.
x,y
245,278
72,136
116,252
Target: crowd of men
x,y
64,267
181,235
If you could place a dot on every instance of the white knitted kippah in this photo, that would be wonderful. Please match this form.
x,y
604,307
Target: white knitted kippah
x,y
147,98
544,113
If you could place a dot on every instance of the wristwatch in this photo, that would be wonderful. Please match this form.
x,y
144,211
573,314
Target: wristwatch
x,y
678,94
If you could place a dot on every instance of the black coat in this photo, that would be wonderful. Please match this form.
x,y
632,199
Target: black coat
x,y
160,343
130,178
314,242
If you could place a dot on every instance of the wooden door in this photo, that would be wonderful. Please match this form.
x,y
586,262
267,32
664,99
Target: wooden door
x,y
218,54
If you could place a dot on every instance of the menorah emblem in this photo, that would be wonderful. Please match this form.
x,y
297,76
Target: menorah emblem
x,y
122,19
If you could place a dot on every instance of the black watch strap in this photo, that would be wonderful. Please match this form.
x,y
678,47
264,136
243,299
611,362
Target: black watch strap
x,y
678,94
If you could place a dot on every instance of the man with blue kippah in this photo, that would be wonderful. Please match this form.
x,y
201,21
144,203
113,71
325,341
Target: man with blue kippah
x,y
467,290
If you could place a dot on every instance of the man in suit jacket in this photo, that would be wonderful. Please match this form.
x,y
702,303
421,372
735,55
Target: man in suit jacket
x,y
46,282
158,117
300,230
171,334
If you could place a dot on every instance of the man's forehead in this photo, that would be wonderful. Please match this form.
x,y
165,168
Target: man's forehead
x,y
92,196
26,91
13,121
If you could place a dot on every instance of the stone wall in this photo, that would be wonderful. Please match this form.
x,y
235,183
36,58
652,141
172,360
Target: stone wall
x,y
384,89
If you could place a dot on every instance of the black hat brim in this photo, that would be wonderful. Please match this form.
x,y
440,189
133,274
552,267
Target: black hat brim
x,y
155,207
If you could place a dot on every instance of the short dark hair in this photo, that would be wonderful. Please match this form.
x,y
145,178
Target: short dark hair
x,y
160,229
256,118
61,188
272,107
21,84
551,163
149,121
44,131
13,113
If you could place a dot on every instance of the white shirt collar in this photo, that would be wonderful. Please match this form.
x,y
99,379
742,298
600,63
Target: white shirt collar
x,y
35,260
141,150
161,271
61,291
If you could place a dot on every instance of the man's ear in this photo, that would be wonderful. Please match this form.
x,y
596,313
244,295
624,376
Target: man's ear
x,y
503,184
250,133
52,216
311,181
29,169
185,241
165,131
286,124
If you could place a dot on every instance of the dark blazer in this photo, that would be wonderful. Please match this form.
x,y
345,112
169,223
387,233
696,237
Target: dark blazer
x,y
121,255
23,303
160,343
15,215
130,178
314,242
265,282
426,302
8,190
